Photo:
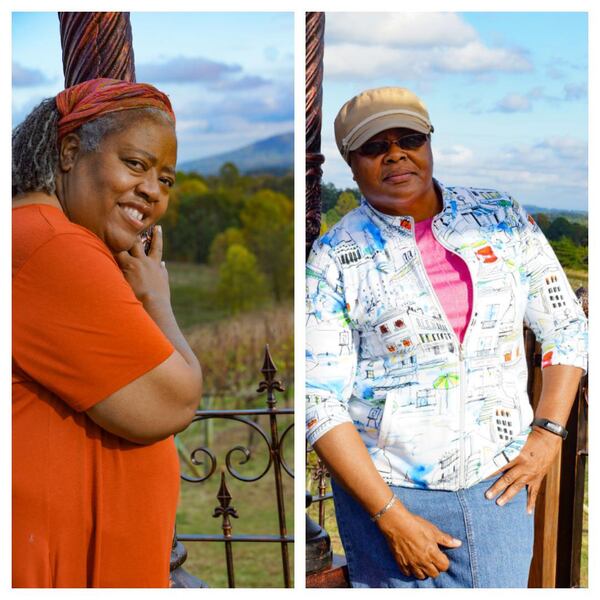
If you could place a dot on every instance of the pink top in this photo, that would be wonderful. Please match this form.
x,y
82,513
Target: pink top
x,y
449,276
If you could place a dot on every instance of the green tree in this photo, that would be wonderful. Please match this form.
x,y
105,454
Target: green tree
x,y
229,174
346,202
201,218
543,221
241,284
569,254
558,228
329,196
222,243
179,241
268,226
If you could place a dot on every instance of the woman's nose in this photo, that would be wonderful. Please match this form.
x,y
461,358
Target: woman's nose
x,y
394,153
149,187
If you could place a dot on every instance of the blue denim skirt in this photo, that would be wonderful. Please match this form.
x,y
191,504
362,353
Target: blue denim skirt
x,y
497,541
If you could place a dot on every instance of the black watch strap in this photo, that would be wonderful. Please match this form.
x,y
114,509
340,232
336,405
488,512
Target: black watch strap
x,y
551,426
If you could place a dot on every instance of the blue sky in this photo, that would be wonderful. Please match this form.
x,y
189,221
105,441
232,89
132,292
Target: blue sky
x,y
229,75
507,94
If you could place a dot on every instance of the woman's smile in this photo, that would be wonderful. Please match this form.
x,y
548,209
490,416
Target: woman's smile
x,y
136,215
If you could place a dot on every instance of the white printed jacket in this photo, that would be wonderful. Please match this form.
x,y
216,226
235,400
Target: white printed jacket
x,y
434,413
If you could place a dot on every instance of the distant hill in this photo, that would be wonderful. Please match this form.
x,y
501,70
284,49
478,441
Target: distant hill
x,y
272,155
579,216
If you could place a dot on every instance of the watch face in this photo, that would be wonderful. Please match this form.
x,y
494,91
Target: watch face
x,y
551,426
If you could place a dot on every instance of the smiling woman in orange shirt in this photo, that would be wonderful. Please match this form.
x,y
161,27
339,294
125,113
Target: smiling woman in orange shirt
x,y
102,376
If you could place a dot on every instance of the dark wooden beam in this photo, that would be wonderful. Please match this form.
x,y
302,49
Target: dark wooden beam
x,y
96,44
315,29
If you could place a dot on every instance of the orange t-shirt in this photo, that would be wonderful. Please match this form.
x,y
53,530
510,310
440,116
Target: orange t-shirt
x,y
90,509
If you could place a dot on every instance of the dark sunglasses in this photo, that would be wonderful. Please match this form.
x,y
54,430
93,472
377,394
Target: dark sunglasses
x,y
412,141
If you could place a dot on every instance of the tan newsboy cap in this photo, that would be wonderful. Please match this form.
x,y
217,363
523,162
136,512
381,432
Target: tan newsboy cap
x,y
376,110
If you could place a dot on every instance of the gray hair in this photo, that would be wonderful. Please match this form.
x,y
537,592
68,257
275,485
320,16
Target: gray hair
x,y
35,143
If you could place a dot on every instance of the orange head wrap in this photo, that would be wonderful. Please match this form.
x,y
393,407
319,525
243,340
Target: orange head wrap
x,y
91,99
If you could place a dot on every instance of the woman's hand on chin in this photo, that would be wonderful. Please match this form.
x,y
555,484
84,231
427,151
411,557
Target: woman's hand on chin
x,y
147,274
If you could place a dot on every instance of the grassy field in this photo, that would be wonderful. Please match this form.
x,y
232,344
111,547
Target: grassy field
x,y
577,278
231,350
256,564
193,294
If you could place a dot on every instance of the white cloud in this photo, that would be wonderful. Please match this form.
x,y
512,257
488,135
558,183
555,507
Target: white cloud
x,y
513,103
453,156
475,57
27,77
411,46
566,148
406,30
550,172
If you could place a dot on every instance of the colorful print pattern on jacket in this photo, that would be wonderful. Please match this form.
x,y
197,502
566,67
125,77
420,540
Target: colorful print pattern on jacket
x,y
381,354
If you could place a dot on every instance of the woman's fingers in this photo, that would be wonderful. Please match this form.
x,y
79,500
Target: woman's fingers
x,y
532,491
431,571
405,570
137,250
123,258
502,483
156,247
511,492
442,562
508,486
445,539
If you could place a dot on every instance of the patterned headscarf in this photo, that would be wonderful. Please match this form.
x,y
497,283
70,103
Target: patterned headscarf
x,y
91,99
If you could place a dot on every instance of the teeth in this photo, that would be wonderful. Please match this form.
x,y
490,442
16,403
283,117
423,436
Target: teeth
x,y
136,214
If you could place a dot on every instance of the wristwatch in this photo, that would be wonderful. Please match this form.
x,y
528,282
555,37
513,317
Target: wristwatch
x,y
551,426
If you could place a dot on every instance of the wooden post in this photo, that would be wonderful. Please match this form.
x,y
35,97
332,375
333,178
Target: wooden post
x,y
572,484
96,44
543,566
315,29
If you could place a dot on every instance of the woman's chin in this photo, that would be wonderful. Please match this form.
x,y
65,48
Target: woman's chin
x,y
120,243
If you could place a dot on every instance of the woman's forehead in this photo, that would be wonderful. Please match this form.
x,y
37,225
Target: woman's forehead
x,y
149,135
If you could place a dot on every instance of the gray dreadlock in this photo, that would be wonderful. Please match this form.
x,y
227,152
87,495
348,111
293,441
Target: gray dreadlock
x,y
35,143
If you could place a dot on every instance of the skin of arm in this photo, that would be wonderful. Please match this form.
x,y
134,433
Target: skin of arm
x,y
413,540
559,385
162,401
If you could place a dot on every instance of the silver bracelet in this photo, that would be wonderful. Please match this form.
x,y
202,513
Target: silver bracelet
x,y
387,507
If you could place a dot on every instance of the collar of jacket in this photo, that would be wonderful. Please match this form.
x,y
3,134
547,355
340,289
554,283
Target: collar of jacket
x,y
448,204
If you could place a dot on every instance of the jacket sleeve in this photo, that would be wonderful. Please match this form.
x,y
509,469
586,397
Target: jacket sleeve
x,y
331,345
553,312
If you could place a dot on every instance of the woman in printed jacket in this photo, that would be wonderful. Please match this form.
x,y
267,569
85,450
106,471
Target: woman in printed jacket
x,y
416,374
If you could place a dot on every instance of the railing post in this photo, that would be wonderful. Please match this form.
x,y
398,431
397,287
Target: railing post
x,y
226,511
270,385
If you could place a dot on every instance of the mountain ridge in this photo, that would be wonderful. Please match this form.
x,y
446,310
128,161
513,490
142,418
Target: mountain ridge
x,y
274,154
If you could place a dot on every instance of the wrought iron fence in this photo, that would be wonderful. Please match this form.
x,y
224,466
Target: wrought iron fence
x,y
275,438
559,510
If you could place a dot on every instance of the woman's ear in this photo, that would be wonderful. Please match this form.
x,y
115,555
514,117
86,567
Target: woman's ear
x,y
68,152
